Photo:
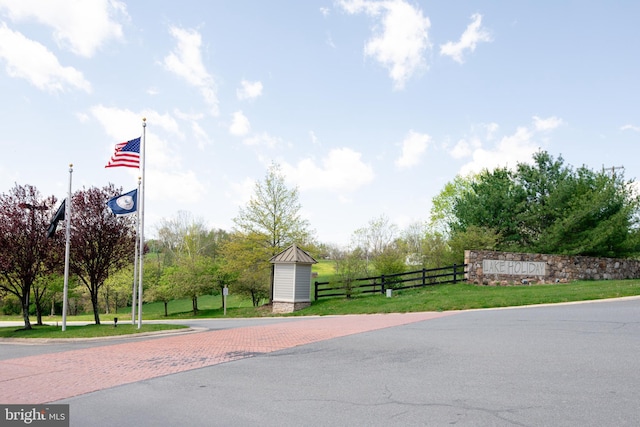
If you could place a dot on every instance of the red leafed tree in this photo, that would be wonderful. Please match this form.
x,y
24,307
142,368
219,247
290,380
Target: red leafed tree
x,y
25,251
101,243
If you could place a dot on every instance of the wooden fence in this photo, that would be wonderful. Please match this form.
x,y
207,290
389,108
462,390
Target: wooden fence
x,y
379,284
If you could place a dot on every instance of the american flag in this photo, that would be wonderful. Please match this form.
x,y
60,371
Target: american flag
x,y
127,154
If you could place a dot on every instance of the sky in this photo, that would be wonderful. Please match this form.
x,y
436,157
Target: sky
x,y
368,107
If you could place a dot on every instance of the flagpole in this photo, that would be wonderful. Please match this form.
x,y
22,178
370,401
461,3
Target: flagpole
x,y
141,213
67,216
135,261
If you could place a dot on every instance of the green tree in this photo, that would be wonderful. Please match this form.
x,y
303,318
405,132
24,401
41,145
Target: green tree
x,y
496,202
244,264
544,201
273,212
271,221
117,289
548,207
160,288
437,251
600,218
390,261
472,238
187,244
350,265
442,215
376,239
196,277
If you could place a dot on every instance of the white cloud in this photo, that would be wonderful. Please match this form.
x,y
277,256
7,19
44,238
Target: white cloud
x,y
249,90
82,117
29,60
177,186
546,124
473,35
314,138
513,149
263,139
329,41
241,192
630,127
81,26
413,147
463,149
166,178
186,61
342,171
324,11
491,128
400,41
123,124
509,150
198,132
240,125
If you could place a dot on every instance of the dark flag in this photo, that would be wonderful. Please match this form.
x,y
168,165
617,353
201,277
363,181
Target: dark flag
x,y
59,216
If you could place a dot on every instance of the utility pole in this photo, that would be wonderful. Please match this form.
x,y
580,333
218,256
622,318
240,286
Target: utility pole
x,y
612,169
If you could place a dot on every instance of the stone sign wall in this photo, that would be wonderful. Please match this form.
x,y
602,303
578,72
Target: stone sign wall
x,y
505,268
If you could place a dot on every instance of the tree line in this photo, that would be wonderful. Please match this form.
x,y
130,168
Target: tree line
x,y
543,206
186,260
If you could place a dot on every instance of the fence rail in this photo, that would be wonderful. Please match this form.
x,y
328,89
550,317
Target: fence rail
x,y
379,284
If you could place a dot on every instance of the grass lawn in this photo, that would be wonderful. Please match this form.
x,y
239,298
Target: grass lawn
x,y
87,331
464,296
326,269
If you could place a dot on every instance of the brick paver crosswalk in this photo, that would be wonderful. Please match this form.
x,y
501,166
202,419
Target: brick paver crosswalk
x,y
51,377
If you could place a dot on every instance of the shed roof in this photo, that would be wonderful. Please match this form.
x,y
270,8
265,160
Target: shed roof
x,y
293,254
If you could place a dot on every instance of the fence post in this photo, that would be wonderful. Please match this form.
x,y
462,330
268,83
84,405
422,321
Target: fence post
x,y
454,274
382,284
315,290
424,276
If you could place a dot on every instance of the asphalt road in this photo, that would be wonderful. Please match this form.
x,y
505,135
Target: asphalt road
x,y
563,365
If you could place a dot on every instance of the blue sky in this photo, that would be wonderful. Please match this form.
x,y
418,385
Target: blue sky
x,y
370,107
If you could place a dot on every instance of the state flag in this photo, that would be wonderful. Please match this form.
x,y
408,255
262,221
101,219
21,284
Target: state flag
x,y
125,204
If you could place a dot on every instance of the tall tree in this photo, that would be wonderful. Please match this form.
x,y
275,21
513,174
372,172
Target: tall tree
x,y
548,207
24,247
600,218
379,234
541,182
273,212
496,202
117,289
191,250
350,265
160,288
378,245
442,215
271,222
101,243
244,263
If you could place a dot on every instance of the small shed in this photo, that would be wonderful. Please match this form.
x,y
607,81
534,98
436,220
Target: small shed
x,y
291,280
